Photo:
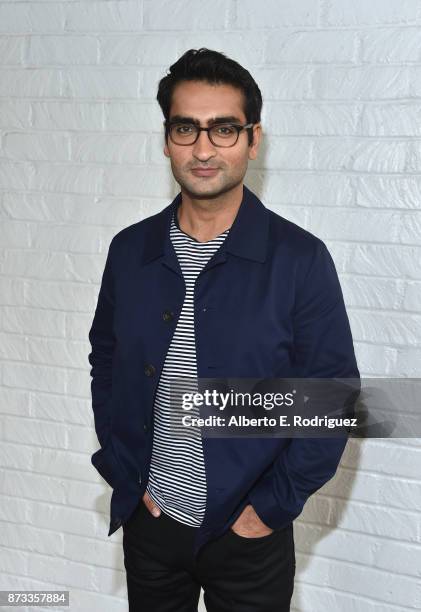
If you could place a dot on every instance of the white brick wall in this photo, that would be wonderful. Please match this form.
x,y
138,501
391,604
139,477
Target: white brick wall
x,y
81,157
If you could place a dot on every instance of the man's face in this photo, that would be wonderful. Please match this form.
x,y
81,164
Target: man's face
x,y
205,103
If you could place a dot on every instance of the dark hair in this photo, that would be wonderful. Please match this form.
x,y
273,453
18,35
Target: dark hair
x,y
211,67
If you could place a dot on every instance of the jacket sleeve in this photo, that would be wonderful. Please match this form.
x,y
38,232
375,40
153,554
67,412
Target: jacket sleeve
x,y
323,348
102,342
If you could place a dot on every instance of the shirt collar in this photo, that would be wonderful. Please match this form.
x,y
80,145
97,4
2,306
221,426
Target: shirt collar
x,y
247,237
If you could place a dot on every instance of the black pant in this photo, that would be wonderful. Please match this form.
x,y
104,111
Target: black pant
x,y
237,574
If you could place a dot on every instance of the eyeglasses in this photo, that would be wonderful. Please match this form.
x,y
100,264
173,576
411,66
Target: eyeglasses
x,y
220,134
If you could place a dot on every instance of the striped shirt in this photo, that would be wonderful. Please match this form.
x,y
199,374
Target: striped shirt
x,y
177,480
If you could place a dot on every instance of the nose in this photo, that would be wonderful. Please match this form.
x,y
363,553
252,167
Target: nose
x,y
203,149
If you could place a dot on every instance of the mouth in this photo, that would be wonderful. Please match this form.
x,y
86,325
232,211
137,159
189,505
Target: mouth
x,y
205,171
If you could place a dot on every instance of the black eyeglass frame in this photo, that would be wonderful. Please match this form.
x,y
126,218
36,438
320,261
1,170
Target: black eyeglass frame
x,y
199,129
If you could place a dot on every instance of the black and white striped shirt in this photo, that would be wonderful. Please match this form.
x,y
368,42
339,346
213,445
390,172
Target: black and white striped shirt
x,y
177,480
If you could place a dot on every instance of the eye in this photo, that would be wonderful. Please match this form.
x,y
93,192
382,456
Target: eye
x,y
184,129
224,130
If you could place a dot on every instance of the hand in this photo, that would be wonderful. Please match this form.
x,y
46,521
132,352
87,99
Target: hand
x,y
249,524
151,506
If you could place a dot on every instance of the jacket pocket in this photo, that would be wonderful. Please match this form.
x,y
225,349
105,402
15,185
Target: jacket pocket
x,y
108,465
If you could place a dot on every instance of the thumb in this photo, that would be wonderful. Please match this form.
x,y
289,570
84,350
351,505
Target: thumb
x,y
151,506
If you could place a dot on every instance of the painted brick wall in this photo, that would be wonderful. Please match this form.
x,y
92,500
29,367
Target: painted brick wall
x,y
81,157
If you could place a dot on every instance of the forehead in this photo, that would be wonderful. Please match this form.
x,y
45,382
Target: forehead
x,y
205,101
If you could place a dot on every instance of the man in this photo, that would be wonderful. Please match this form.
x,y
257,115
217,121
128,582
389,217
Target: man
x,y
215,285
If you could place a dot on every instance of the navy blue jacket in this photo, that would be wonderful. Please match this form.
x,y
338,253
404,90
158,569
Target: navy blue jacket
x,y
268,304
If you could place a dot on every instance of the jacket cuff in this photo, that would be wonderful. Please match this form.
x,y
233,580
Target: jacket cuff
x,y
264,502
108,466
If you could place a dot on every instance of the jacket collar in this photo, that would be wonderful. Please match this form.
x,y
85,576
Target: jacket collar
x,y
247,237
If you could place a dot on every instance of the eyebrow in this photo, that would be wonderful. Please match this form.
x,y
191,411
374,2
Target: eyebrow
x,y
213,121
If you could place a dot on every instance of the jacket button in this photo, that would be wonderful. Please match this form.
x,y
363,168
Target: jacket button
x,y
167,315
149,370
145,428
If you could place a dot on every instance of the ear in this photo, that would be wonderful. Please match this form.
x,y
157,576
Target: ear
x,y
166,150
257,136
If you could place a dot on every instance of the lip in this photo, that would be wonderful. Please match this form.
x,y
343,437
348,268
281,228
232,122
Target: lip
x,y
205,171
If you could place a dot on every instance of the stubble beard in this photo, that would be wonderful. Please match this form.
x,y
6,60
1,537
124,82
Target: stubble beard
x,y
201,188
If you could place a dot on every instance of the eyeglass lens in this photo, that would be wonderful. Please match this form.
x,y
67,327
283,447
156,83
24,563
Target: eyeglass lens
x,y
222,135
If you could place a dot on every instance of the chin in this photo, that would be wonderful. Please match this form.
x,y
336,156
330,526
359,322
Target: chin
x,y
205,191
204,194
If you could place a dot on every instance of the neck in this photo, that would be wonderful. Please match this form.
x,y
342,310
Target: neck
x,y
204,219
